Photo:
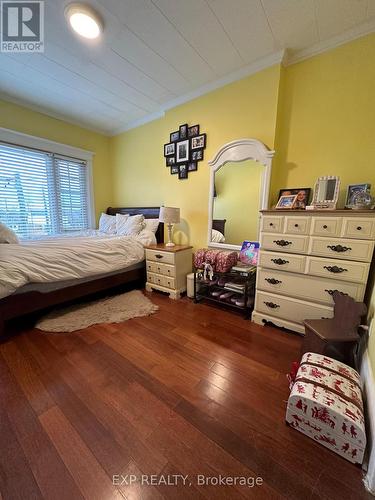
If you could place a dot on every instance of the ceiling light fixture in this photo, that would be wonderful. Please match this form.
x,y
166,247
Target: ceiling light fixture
x,y
84,20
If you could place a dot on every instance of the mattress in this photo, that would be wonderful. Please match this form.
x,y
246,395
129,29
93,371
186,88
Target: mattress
x,y
59,285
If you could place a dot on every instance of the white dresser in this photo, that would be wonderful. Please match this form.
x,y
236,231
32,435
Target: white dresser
x,y
167,268
305,256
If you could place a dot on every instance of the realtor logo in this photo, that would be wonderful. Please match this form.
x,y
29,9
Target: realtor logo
x,y
22,26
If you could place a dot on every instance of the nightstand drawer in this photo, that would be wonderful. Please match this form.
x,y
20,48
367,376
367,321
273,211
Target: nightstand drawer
x,y
160,256
156,279
169,282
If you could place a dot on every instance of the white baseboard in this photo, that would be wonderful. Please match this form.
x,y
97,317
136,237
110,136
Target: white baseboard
x,y
368,381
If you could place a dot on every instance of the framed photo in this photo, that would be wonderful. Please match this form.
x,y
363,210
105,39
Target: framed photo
x,y
170,161
353,189
174,136
182,154
182,171
174,169
198,142
192,166
183,131
197,155
169,149
192,131
286,202
303,196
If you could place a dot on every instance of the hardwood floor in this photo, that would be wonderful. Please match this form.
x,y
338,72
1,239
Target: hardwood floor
x,y
191,390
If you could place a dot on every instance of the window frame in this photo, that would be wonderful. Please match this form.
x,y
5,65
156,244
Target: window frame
x,y
47,146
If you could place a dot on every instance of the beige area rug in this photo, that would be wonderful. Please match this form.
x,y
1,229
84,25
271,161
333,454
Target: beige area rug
x,y
110,310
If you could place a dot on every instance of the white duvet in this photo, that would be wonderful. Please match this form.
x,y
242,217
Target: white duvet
x,y
68,257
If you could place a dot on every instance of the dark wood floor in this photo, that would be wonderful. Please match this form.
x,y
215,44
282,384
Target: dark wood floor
x,y
190,390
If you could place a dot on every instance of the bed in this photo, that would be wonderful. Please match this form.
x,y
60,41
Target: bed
x,y
35,297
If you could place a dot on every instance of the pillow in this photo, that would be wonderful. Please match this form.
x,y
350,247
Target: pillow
x,y
129,225
7,235
152,225
146,237
107,223
217,237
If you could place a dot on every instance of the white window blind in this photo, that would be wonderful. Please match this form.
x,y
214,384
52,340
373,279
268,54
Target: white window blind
x,y
42,193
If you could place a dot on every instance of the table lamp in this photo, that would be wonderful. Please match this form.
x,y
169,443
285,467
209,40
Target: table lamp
x,y
169,216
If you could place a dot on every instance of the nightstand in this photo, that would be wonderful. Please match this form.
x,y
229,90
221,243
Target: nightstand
x,y
167,268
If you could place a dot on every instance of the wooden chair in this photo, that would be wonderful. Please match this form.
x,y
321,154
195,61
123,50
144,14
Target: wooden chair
x,y
336,337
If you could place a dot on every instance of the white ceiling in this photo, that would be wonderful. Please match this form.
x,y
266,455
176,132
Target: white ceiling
x,y
157,53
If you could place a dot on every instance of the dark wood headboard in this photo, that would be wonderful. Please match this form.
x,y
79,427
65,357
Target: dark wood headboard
x,y
148,212
219,225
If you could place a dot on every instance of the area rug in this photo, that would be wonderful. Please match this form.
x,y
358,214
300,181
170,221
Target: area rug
x,y
110,310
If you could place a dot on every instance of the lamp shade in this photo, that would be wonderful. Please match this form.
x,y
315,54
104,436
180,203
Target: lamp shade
x,y
169,215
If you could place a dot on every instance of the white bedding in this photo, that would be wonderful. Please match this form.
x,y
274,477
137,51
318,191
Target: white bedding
x,y
68,257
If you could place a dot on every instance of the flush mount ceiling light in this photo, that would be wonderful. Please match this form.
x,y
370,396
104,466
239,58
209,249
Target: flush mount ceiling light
x,y
84,20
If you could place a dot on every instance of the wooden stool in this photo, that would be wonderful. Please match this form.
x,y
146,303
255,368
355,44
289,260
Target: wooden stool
x,y
338,336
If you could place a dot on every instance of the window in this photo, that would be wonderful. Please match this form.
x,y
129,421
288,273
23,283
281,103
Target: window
x,y
42,193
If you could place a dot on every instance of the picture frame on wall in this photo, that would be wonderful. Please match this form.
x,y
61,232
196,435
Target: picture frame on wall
x,y
303,196
169,149
193,131
286,202
192,166
198,142
197,155
353,189
174,169
182,171
170,161
182,151
174,136
183,131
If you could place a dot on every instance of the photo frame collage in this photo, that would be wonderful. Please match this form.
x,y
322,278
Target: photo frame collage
x,y
184,150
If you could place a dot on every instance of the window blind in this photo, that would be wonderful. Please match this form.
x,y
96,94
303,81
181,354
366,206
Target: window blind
x,y
42,193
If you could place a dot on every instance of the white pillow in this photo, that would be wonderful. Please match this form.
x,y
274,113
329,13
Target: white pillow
x,y
129,225
217,237
7,235
151,225
107,223
146,237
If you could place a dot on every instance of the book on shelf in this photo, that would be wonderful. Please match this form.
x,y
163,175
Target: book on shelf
x,y
244,269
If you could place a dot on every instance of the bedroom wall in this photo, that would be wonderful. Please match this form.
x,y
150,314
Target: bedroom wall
x,y
246,108
30,122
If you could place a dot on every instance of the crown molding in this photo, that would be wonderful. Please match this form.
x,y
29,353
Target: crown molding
x,y
357,32
255,67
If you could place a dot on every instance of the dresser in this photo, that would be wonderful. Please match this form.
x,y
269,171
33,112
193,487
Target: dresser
x,y
167,268
304,257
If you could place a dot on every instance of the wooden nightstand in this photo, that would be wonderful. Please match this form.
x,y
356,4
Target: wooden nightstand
x,y
167,268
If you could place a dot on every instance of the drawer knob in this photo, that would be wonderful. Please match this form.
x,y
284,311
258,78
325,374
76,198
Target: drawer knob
x,y
296,225
359,228
338,248
331,292
325,226
335,269
158,256
282,243
271,224
272,305
273,281
280,262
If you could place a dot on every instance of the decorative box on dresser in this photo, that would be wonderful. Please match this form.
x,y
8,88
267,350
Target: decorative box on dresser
x,y
304,257
167,268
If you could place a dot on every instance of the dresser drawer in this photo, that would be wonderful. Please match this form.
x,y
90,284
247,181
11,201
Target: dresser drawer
x,y
156,279
326,226
290,309
297,225
357,227
160,256
272,223
169,282
342,270
284,243
306,287
282,261
157,267
342,249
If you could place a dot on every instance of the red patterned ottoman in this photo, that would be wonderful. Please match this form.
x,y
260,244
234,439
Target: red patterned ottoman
x,y
325,403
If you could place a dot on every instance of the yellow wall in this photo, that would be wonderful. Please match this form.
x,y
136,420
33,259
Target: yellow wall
x,y
237,201
30,122
246,108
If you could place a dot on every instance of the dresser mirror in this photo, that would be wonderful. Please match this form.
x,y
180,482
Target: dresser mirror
x,y
326,192
239,187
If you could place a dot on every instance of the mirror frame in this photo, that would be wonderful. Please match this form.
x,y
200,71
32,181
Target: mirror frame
x,y
236,151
